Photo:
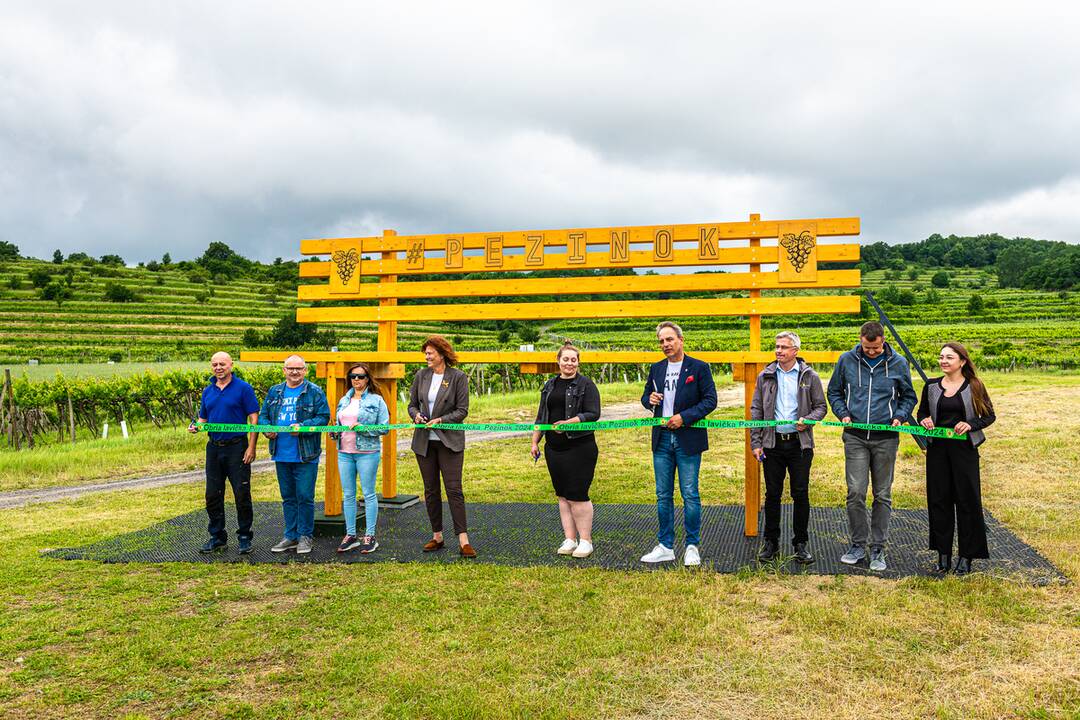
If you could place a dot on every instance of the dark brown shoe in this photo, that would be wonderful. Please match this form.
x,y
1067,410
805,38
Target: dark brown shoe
x,y
432,545
467,551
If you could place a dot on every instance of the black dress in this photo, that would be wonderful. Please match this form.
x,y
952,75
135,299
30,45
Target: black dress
x,y
571,462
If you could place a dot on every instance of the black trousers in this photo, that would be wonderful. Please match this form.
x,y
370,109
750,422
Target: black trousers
x,y
227,462
787,458
954,491
440,459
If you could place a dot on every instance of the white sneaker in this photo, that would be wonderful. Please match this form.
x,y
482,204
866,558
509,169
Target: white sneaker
x,y
658,554
584,549
567,547
691,558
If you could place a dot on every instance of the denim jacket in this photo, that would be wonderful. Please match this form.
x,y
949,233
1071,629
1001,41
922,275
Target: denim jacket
x,y
311,409
373,411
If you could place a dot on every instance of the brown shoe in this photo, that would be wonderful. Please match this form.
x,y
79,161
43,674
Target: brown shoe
x,y
467,551
433,544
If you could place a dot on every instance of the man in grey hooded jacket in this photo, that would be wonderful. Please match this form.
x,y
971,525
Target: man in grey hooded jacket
x,y
870,384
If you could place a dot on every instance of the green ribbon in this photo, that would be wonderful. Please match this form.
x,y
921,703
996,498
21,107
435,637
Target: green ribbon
x,y
577,427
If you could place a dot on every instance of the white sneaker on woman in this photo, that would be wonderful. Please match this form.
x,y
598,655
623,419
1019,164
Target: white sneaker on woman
x,y
584,549
567,547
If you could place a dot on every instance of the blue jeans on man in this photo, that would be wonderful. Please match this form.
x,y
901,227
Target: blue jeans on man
x,y
296,480
668,458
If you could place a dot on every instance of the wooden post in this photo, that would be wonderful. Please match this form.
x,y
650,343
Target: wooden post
x,y
750,371
12,437
332,499
387,341
71,418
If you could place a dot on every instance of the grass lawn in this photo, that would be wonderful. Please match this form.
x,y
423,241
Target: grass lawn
x,y
81,639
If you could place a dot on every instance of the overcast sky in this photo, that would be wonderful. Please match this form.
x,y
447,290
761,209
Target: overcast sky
x,y
142,127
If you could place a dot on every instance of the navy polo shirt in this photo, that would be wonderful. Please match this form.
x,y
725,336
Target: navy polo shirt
x,y
231,404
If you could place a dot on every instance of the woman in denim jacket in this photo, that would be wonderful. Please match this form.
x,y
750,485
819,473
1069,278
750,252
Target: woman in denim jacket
x,y
359,453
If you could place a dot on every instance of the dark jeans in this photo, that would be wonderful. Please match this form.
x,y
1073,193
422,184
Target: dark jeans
x,y
440,459
953,486
789,458
228,462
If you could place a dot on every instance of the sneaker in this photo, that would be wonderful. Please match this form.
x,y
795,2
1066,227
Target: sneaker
x,y
568,546
369,544
212,545
245,546
347,543
304,544
877,559
584,549
802,554
285,544
854,555
658,554
769,551
691,558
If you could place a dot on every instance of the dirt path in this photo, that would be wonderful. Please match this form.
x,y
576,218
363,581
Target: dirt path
x,y
728,397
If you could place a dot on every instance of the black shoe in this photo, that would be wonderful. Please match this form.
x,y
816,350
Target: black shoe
x,y
963,566
944,563
802,555
769,551
212,545
245,546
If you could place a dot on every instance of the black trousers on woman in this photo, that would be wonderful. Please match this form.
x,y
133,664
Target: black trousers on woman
x,y
954,498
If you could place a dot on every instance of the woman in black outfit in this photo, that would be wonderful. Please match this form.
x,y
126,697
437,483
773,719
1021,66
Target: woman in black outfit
x,y
571,456
958,400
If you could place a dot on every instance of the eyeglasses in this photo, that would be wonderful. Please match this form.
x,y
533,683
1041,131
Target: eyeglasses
x,y
296,369
356,376
785,347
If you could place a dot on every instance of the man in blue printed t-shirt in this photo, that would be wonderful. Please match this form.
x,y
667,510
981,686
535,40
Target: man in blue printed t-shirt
x,y
231,401
296,402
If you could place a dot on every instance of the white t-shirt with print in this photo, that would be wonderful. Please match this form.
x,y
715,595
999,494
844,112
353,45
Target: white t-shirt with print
x,y
671,384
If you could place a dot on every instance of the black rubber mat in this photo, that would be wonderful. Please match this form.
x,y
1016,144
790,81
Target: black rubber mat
x,y
527,534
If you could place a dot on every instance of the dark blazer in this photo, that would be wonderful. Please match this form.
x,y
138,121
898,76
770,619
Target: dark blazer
x,y
695,397
451,404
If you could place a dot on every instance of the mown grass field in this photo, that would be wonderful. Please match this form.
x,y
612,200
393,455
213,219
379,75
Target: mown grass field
x,y
81,639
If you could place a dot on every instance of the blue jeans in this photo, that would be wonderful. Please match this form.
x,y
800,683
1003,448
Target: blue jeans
x,y
366,465
296,480
668,457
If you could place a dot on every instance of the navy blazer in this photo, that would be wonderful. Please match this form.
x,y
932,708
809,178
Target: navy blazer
x,y
695,397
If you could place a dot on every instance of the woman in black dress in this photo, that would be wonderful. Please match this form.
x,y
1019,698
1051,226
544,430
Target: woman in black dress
x,y
571,456
958,400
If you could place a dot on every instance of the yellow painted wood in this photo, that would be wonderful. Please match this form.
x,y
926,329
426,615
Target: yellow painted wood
x,y
345,265
600,309
703,233
496,260
581,286
334,372
751,466
387,342
798,252
516,357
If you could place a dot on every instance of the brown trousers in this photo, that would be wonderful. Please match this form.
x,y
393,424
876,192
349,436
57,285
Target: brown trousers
x,y
441,459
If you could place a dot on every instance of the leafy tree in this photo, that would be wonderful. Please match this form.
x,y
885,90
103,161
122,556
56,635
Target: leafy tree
x,y
504,337
913,274
58,257
166,259
529,334
56,291
975,304
39,277
940,279
202,297
69,276
220,259
252,338
198,276
14,282
933,297
905,297
114,260
117,292
153,266
78,257
8,251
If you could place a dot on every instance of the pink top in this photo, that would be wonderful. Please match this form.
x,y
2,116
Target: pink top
x,y
350,415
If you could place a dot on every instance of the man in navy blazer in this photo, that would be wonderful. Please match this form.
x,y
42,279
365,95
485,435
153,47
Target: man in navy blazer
x,y
682,389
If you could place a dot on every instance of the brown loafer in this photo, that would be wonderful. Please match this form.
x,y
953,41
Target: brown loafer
x,y
433,544
467,551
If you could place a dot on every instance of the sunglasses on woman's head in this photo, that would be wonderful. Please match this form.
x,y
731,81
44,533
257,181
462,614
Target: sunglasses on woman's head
x,y
357,376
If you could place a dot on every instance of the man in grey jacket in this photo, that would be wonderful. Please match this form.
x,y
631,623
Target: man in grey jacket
x,y
786,390
870,384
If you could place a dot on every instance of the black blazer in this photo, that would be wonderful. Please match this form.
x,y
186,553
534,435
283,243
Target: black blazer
x,y
451,404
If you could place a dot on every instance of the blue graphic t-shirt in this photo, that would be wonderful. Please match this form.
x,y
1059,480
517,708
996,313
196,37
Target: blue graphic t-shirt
x,y
287,447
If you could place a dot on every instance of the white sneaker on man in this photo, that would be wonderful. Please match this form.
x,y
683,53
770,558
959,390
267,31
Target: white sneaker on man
x,y
658,554
691,558
567,547
584,549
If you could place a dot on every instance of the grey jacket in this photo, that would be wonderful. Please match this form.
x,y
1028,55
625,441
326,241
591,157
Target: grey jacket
x,y
872,394
931,394
811,399
451,404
